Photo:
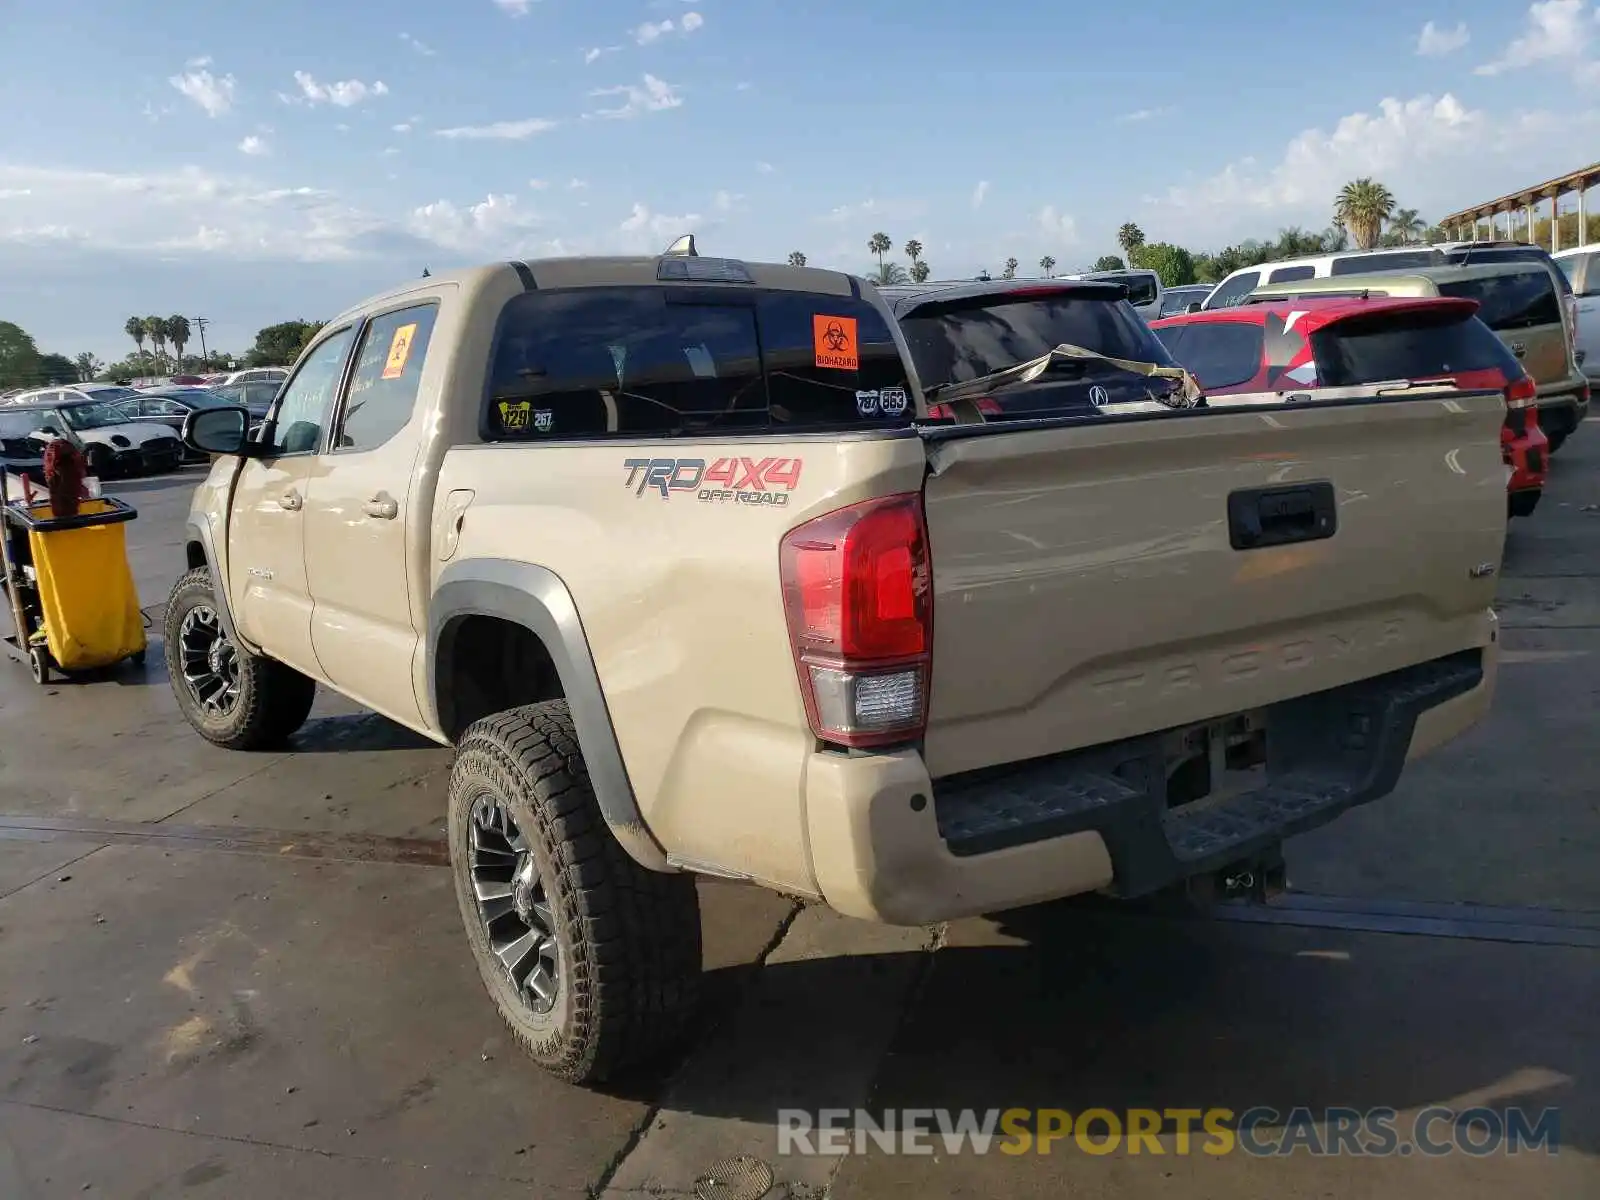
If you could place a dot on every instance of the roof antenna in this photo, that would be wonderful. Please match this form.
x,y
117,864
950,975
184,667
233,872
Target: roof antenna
x,y
683,247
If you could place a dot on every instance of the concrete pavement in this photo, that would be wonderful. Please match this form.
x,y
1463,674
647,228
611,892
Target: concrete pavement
x,y
243,976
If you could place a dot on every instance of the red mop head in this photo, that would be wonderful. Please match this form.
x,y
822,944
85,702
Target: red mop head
x,y
63,477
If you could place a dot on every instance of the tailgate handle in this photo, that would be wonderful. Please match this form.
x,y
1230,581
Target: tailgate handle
x,y
1280,516
1519,349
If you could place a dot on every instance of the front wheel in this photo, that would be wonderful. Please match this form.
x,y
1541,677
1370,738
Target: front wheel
x,y
592,960
232,698
39,665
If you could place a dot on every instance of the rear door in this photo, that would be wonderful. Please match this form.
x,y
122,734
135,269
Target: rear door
x,y
1524,308
1584,272
359,509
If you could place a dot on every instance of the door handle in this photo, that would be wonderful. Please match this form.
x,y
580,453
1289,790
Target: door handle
x,y
381,507
290,500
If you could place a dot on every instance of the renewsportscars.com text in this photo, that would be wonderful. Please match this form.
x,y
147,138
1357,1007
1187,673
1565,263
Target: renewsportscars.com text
x,y
1260,1131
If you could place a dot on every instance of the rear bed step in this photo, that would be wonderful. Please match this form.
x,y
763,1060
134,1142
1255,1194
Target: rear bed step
x,y
1326,753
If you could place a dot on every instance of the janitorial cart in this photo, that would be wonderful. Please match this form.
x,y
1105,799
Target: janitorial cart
x,y
68,586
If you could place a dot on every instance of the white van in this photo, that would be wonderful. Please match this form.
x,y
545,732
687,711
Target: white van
x,y
1144,288
1233,289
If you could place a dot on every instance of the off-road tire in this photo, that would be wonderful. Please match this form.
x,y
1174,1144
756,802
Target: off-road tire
x,y
274,699
628,937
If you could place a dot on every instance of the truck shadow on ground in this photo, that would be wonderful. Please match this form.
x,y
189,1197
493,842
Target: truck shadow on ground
x,y
1093,1010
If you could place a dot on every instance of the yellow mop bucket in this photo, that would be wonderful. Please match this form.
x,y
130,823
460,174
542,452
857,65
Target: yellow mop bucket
x,y
86,591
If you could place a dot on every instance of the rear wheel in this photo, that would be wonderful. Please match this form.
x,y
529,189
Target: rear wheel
x,y
231,697
592,960
39,664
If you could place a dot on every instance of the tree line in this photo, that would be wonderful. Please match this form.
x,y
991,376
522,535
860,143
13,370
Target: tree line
x,y
24,365
1365,215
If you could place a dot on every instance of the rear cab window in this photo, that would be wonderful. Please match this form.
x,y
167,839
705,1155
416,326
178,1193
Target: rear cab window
x,y
1514,300
1234,289
1360,264
1292,274
1418,345
643,361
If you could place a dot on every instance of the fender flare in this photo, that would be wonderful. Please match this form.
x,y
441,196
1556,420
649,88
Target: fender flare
x,y
537,599
199,530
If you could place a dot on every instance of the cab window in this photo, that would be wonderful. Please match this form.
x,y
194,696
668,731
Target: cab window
x,y
383,386
307,399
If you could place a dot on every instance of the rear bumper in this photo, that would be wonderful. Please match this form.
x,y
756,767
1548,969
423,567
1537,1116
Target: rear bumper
x,y
1560,415
889,844
1526,452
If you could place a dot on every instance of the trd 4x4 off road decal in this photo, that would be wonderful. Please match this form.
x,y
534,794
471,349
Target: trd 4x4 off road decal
x,y
742,480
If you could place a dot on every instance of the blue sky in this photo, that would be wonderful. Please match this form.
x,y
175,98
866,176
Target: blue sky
x,y
253,163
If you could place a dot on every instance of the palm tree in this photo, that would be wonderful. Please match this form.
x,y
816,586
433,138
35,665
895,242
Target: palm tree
x,y
920,272
1407,224
178,332
1130,237
1011,269
914,253
134,328
1362,206
155,328
889,272
796,259
880,245
1047,264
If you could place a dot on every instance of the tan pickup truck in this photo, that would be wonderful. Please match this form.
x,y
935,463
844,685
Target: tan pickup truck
x,y
668,551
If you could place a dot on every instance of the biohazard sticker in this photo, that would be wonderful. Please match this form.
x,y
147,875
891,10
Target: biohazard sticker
x,y
515,416
834,339
399,351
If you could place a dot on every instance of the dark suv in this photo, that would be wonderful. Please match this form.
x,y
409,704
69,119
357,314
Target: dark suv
x,y
958,332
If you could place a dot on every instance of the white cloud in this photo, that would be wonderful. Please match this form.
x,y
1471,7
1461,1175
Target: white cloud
x,y
726,201
652,31
14,193
577,185
402,127
497,224
980,193
595,53
1434,42
180,211
203,61
538,185
343,93
418,45
765,168
648,230
253,145
744,85
1557,31
654,95
513,131
214,93
1059,228
515,8
878,210
1434,154
1142,114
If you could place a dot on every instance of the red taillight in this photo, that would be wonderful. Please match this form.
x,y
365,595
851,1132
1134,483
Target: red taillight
x,y
1522,392
858,594
987,405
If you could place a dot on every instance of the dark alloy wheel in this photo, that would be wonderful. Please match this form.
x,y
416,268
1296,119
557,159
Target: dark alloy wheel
x,y
230,696
513,906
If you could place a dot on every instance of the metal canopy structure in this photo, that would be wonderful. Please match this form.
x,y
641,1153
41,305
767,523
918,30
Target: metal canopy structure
x,y
1465,224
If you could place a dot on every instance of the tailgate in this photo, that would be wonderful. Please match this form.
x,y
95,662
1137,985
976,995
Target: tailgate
x,y
1087,586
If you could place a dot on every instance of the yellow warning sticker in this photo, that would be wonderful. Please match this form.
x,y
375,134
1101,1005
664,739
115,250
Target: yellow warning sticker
x,y
399,351
515,416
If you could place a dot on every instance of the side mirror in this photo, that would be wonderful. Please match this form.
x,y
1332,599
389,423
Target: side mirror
x,y
1193,307
222,430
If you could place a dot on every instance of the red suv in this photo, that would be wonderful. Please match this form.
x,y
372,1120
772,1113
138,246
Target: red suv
x,y
1300,346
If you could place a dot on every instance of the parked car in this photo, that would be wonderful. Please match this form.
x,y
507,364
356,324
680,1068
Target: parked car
x,y
259,375
1519,300
63,393
21,454
1303,347
1143,287
1178,299
111,444
666,552
255,395
169,406
1581,266
962,332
